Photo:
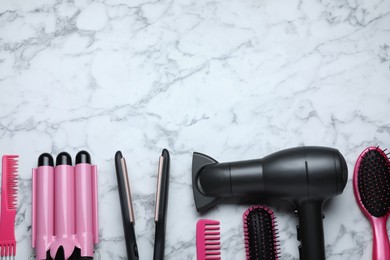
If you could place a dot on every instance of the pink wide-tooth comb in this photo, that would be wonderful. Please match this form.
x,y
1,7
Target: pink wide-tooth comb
x,y
8,205
371,185
208,245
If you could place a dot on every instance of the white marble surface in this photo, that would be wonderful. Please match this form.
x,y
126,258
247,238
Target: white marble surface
x,y
232,79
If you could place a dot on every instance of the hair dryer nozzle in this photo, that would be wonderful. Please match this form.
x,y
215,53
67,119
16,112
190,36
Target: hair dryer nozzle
x,y
202,202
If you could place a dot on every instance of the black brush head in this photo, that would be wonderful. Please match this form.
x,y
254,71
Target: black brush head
x,y
374,182
260,234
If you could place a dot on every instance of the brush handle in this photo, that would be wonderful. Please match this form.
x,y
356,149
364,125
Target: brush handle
x,y
310,230
381,247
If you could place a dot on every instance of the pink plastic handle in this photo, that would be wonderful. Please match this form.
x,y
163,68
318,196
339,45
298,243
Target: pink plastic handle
x,y
43,205
95,219
33,208
64,200
84,208
64,210
381,247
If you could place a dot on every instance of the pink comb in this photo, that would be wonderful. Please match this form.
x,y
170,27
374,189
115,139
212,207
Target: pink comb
x,y
8,205
208,246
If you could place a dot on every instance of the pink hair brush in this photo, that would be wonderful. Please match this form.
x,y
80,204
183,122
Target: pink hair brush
x,y
371,184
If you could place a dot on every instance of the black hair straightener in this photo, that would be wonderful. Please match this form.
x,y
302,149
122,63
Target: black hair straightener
x,y
127,207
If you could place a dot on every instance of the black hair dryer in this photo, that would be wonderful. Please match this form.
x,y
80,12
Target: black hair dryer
x,y
306,176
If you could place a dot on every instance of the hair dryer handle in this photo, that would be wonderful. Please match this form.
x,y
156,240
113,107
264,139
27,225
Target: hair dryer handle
x,y
310,230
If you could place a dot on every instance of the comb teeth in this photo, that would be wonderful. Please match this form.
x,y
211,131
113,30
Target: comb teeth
x,y
8,206
208,238
261,236
373,181
10,180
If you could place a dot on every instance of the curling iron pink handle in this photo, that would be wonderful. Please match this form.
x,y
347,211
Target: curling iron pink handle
x,y
42,215
95,219
64,211
381,247
64,201
84,208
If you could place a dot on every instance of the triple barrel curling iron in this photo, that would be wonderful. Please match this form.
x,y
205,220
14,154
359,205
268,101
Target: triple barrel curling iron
x,y
64,217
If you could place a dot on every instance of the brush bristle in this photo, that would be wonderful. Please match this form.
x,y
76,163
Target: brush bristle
x,y
261,234
10,173
374,182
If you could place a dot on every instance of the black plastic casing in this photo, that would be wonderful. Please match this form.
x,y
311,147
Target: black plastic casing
x,y
63,158
83,157
128,226
45,159
306,176
159,237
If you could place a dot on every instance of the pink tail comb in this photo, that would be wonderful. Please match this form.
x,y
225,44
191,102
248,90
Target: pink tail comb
x,y
8,205
208,246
